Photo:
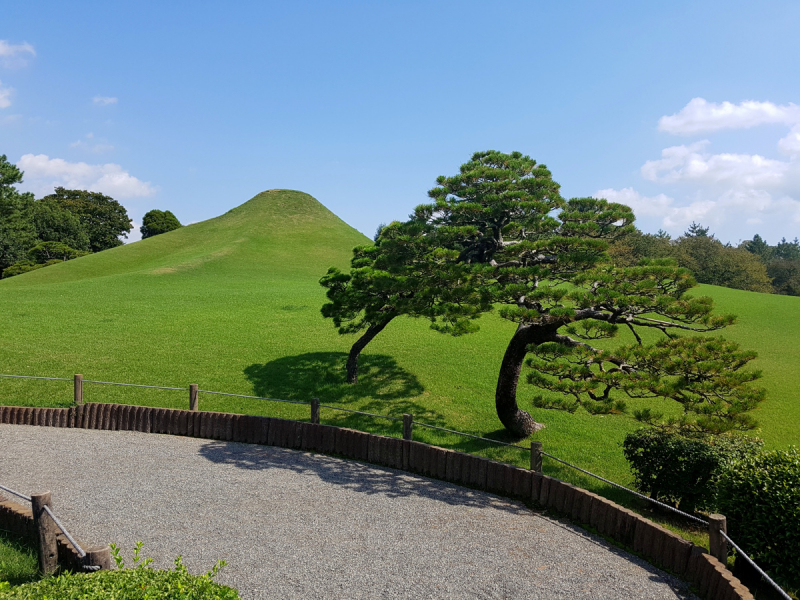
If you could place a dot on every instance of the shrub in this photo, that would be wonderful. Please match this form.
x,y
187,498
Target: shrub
x,y
139,583
682,469
760,496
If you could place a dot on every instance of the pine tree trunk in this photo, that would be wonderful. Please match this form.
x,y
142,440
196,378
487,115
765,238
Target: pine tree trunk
x,y
517,421
361,343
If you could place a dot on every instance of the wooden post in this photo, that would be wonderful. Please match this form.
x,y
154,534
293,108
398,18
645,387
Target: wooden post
x,y
536,456
193,396
78,389
408,427
46,532
315,410
99,557
717,544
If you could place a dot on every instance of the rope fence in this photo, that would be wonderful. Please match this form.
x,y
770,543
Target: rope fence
x,y
32,377
63,529
47,546
716,525
766,577
17,494
136,385
635,493
251,397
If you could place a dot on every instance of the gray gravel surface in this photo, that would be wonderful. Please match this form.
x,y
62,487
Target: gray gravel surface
x,y
299,525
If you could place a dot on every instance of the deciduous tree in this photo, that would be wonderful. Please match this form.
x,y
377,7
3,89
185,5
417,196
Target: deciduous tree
x,y
156,222
103,219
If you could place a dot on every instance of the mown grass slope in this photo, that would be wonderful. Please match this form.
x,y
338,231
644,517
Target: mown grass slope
x,y
233,305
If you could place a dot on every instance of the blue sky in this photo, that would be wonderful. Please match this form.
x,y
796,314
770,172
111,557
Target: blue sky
x,y
685,110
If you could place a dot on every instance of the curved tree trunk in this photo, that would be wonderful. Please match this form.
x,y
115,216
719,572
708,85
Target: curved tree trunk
x,y
361,343
514,419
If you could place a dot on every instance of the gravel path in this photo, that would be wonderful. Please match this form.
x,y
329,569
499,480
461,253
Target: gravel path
x,y
299,525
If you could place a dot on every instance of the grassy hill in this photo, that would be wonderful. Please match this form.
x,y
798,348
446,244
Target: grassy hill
x,y
233,305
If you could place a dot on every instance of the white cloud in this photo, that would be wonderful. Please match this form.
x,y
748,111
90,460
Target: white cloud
x,y
643,206
98,148
731,212
700,116
691,164
135,233
43,173
104,100
13,55
791,143
5,96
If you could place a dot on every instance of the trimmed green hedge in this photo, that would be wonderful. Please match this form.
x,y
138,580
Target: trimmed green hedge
x,y
760,496
683,470
139,583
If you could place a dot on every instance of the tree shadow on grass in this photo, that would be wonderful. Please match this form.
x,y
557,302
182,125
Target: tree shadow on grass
x,y
352,475
383,387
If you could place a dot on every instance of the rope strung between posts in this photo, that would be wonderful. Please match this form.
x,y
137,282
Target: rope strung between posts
x,y
32,377
358,412
252,397
58,523
10,491
635,493
469,435
756,567
64,531
152,387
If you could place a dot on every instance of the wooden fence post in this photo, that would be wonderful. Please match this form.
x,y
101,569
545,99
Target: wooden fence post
x,y
536,456
193,396
99,557
315,410
717,544
47,547
78,389
408,427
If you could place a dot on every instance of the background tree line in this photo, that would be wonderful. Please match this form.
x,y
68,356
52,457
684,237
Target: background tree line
x,y
754,265
63,225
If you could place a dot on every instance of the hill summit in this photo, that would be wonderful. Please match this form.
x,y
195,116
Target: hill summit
x,y
276,233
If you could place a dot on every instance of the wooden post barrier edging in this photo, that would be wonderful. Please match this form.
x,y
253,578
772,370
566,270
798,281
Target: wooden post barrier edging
x,y
46,530
536,457
193,396
408,427
651,541
78,379
717,544
315,411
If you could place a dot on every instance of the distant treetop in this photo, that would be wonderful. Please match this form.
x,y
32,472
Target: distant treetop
x,y
156,222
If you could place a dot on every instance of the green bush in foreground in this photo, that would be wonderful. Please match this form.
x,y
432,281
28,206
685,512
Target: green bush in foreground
x,y
138,583
680,469
760,496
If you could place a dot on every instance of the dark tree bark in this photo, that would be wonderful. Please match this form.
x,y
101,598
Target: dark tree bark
x,y
361,343
516,420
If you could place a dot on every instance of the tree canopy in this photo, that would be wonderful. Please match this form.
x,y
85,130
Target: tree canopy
x,y
103,219
17,232
156,222
75,221
406,272
515,243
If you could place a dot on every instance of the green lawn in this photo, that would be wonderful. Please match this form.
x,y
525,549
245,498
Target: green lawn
x,y
233,305
18,563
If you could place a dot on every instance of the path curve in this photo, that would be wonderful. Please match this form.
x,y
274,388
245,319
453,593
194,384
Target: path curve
x,y
298,525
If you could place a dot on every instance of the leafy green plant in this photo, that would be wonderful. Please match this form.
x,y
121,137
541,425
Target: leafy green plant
x,y
760,496
680,469
138,583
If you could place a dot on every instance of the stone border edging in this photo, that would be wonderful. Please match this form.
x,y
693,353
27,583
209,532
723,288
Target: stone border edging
x,y
651,541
